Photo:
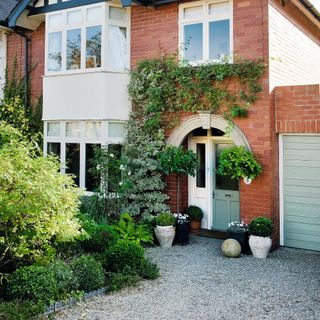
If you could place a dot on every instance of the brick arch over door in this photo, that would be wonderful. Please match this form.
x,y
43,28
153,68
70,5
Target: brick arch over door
x,y
195,121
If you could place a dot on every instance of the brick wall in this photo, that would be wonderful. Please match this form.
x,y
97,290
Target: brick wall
x,y
298,109
294,47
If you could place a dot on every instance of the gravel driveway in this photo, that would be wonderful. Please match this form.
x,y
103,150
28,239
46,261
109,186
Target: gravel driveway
x,y
196,282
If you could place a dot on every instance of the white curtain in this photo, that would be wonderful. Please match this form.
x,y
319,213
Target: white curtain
x,y
117,47
54,51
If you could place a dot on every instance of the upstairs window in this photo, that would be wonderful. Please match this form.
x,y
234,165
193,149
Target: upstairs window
x,y
84,38
206,31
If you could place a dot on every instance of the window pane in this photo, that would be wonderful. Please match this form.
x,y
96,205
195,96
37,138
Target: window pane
x,y
73,160
74,49
54,51
54,148
73,129
55,20
224,182
219,8
116,130
193,12
117,47
74,17
93,129
115,174
92,179
219,39
201,169
94,13
93,47
117,13
53,129
193,37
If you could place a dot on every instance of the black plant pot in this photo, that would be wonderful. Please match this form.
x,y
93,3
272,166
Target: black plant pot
x,y
243,238
182,233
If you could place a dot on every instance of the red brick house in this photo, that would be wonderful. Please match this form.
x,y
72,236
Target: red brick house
x,y
86,101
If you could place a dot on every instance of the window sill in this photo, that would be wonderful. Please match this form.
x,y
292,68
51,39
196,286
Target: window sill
x,y
78,72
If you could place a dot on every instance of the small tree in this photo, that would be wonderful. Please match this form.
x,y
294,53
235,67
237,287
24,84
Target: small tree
x,y
38,205
179,161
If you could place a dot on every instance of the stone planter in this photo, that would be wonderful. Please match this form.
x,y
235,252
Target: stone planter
x,y
165,235
243,239
182,233
195,226
260,246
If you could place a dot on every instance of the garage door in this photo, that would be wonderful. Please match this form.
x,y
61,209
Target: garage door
x,y
301,191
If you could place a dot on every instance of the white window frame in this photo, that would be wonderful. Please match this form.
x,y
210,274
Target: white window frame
x,y
205,20
104,22
103,141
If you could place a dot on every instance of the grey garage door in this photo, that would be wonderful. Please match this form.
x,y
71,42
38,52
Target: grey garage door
x,y
301,191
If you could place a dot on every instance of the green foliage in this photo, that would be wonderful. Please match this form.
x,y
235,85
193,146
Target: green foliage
x,y
20,310
118,281
194,213
64,277
33,283
164,85
178,160
124,256
165,219
261,227
89,273
238,162
149,270
128,230
38,205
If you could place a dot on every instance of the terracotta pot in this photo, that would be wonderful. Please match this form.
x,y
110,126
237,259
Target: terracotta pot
x,y
165,235
195,226
260,246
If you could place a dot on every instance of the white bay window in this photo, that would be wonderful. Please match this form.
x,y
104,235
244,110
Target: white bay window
x,y
205,31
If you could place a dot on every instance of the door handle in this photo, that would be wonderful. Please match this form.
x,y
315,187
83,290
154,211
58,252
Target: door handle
x,y
228,195
213,194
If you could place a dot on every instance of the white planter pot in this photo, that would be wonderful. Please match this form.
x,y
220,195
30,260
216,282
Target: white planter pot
x,y
260,246
165,235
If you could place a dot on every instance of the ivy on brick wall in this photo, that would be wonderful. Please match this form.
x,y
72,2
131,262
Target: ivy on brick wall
x,y
164,86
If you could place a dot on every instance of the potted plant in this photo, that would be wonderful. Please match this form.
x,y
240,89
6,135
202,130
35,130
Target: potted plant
x,y
182,228
165,230
196,215
260,230
238,230
238,162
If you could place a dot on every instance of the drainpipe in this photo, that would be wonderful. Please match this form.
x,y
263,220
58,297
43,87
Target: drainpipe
x,y
26,65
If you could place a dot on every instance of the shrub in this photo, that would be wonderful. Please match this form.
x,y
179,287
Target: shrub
x,y
128,230
65,278
124,256
20,310
148,270
38,204
165,219
118,281
89,273
33,283
194,212
261,227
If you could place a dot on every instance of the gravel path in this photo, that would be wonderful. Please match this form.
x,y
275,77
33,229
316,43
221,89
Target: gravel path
x,y
196,282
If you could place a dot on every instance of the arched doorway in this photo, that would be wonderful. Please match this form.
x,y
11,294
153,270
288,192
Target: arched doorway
x,y
217,196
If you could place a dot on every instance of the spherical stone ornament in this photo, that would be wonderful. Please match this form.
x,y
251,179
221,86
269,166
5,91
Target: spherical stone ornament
x,y
231,248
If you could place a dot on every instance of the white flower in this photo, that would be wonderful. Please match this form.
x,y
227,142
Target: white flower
x,y
122,167
120,183
129,173
111,155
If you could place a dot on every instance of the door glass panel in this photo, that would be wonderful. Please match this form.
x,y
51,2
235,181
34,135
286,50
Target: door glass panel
x,y
73,160
53,148
92,179
201,169
224,182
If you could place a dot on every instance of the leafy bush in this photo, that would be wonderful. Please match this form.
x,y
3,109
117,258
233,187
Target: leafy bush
x,y
33,283
148,270
165,219
128,230
20,310
261,227
118,281
124,256
238,162
38,204
65,278
194,212
89,273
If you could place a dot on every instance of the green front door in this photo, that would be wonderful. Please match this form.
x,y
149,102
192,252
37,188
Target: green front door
x,y
225,195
